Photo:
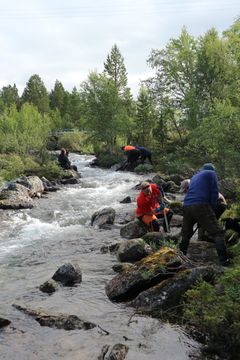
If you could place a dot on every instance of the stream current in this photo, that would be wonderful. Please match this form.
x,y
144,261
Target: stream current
x,y
35,242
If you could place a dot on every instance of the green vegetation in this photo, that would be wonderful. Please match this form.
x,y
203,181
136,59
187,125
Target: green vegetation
x,y
215,310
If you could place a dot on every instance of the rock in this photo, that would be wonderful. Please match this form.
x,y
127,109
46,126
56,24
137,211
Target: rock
x,y
113,248
68,274
4,322
154,239
133,250
48,185
168,293
134,229
60,321
202,252
103,217
16,196
120,267
144,274
126,200
118,352
49,287
33,183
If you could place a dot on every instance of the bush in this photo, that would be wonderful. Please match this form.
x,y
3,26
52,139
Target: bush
x,y
216,310
75,141
11,166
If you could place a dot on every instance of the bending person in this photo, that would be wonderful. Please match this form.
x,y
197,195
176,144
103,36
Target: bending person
x,y
199,205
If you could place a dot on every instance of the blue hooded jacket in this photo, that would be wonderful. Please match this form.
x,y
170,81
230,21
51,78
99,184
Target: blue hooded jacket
x,y
203,189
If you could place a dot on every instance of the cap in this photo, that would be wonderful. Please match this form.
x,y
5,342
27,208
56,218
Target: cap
x,y
144,184
208,166
184,186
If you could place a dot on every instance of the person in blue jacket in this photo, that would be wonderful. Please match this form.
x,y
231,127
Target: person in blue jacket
x,y
198,207
144,154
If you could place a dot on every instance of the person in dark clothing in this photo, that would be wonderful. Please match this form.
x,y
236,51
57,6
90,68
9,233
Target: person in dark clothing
x,y
144,154
74,167
132,155
63,160
199,205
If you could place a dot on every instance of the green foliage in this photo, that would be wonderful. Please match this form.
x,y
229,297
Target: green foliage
x,y
36,94
11,166
23,131
115,69
104,110
216,310
143,168
107,160
9,96
75,141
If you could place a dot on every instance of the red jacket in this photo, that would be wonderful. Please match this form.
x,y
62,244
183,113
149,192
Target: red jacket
x,y
147,203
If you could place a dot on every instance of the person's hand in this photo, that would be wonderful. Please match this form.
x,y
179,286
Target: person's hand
x,y
161,207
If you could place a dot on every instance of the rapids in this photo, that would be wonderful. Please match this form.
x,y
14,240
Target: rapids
x,y
35,242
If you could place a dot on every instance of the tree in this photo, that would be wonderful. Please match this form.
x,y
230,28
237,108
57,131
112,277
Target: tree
x,y
115,69
145,116
174,84
57,98
36,93
9,96
103,111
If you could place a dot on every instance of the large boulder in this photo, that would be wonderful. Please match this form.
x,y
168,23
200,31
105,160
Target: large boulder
x,y
4,322
168,293
103,217
15,196
144,274
33,183
134,229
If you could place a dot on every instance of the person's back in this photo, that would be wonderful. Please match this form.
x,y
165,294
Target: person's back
x,y
203,189
145,153
63,160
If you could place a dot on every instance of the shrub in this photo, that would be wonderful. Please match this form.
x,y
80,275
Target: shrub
x,y
216,310
11,166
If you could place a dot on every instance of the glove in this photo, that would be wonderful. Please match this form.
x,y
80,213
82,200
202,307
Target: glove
x,y
161,207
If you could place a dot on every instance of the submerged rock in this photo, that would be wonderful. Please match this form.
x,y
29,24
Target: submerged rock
x,y
61,321
49,287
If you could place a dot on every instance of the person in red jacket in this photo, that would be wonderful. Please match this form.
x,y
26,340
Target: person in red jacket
x,y
150,207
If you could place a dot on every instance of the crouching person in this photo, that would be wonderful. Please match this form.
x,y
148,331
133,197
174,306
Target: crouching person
x,y
149,209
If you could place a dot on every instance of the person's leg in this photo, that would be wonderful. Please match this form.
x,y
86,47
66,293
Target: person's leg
x,y
150,159
208,221
187,228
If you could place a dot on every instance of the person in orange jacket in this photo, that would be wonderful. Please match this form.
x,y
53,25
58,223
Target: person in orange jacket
x,y
150,207
132,153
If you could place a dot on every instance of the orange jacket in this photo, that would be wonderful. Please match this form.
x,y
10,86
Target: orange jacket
x,y
129,147
147,203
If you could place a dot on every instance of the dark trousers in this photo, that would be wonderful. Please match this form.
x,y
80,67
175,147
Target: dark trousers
x,y
144,157
204,215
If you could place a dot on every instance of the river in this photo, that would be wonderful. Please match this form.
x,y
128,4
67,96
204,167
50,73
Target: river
x,y
35,242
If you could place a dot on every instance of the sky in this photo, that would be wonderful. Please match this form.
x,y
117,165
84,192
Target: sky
x,y
67,39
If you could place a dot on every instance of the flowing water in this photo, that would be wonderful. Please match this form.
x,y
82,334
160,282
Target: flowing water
x,y
35,242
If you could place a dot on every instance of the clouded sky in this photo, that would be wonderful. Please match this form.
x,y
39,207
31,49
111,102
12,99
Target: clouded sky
x,y
66,39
